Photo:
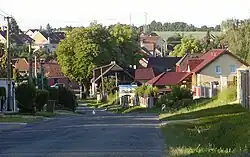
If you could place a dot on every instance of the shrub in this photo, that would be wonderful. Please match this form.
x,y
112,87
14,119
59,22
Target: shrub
x,y
25,96
42,97
177,98
67,98
228,94
145,90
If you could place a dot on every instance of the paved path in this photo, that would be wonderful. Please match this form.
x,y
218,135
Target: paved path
x,y
102,135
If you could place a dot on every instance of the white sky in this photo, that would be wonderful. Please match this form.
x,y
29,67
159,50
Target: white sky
x,y
59,13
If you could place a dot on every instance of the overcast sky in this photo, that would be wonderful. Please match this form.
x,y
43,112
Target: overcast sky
x,y
59,13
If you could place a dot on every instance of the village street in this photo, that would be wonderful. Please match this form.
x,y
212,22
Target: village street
x,y
100,135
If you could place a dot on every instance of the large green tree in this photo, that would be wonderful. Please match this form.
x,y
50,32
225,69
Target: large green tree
x,y
237,38
188,45
86,48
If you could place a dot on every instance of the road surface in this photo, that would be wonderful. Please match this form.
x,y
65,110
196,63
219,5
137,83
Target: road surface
x,y
86,135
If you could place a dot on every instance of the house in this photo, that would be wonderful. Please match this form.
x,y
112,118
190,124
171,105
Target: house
x,y
15,39
143,75
162,64
217,65
166,79
45,40
52,72
154,44
121,74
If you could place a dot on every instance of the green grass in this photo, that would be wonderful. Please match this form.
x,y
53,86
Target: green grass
x,y
221,130
140,109
25,117
19,118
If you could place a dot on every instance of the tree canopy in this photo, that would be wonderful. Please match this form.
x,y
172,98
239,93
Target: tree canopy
x,y
86,48
188,44
237,38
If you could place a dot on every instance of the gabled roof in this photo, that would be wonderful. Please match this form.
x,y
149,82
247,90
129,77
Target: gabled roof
x,y
55,37
144,74
163,64
168,78
211,56
193,63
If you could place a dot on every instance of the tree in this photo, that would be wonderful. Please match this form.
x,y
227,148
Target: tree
x,y
14,28
188,45
49,28
237,38
81,51
124,44
86,48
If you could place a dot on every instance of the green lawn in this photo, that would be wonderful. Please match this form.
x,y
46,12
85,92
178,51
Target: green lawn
x,y
25,117
221,130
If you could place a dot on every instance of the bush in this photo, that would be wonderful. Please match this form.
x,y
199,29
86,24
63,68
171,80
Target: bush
x,y
67,98
42,97
177,98
25,96
228,94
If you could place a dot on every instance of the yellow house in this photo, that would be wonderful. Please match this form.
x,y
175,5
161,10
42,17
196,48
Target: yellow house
x,y
215,65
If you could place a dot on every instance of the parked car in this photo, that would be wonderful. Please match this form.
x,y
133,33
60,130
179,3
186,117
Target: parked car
x,y
57,85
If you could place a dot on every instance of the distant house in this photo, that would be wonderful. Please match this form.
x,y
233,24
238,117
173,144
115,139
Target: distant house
x,y
52,72
45,40
143,75
15,39
154,44
163,64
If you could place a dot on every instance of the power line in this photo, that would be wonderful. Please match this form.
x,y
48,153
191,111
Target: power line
x,y
4,13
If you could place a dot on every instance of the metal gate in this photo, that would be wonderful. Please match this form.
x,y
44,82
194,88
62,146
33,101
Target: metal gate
x,y
243,89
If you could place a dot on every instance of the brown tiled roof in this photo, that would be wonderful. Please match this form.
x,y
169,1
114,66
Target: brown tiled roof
x,y
21,64
168,78
53,70
144,74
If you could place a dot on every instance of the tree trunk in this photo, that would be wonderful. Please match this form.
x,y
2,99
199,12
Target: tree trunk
x,y
86,87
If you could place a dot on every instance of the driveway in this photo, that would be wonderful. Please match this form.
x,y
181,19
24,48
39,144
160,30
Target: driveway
x,y
86,135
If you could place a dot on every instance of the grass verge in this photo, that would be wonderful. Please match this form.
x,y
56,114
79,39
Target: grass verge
x,y
221,130
25,117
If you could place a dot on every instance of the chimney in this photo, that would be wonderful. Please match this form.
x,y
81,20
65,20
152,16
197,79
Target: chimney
x,y
48,40
134,66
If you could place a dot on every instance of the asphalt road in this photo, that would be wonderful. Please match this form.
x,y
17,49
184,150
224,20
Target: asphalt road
x,y
87,135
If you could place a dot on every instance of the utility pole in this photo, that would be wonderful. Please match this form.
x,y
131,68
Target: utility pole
x,y
145,26
30,63
10,106
130,19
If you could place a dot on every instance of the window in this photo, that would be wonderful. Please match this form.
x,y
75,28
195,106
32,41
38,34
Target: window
x,y
218,69
232,68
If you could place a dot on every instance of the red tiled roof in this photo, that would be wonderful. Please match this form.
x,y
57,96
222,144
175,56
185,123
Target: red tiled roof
x,y
144,74
208,58
193,63
169,78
